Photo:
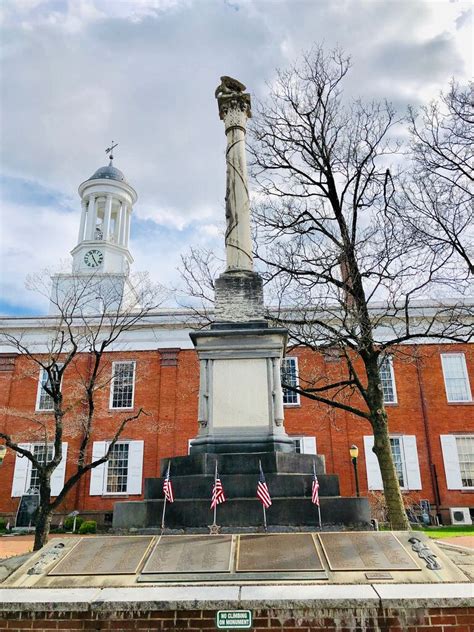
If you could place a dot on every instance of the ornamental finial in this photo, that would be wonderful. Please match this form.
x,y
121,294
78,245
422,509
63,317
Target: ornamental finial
x,y
110,150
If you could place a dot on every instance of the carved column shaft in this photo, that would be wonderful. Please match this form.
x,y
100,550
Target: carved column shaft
x,y
234,111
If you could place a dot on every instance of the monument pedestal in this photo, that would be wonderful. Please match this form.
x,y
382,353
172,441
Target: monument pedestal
x,y
240,399
289,478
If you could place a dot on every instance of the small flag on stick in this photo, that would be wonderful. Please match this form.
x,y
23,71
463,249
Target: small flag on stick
x,y
262,489
168,487
315,490
315,493
168,492
217,492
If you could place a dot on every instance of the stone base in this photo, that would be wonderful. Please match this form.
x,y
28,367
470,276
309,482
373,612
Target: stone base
x,y
239,297
244,512
216,444
289,478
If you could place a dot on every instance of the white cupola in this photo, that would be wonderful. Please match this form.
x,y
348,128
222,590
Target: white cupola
x,y
101,259
104,230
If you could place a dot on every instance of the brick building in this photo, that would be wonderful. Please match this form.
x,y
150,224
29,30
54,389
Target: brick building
x,y
427,391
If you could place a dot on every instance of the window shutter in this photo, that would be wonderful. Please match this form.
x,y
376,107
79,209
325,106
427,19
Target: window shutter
x,y
374,477
451,462
22,469
309,445
57,478
135,467
412,466
98,473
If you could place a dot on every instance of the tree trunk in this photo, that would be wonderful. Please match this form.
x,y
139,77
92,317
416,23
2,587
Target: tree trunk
x,y
393,497
45,514
43,525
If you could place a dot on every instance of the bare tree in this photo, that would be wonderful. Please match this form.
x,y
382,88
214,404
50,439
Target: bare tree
x,y
437,202
331,248
90,317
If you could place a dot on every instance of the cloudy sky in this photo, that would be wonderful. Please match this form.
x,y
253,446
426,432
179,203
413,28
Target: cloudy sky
x,y
76,74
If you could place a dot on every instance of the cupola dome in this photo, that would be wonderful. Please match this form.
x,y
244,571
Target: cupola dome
x,y
108,172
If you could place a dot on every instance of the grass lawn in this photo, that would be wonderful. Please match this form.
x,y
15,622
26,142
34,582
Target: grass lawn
x,y
448,532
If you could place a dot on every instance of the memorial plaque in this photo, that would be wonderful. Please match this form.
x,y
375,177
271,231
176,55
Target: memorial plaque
x,y
365,551
106,555
190,554
278,552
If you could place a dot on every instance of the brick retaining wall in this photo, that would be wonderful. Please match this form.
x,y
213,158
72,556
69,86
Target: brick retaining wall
x,y
307,620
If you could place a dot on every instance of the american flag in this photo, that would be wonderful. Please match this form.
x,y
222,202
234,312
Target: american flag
x,y
315,490
167,487
217,493
262,490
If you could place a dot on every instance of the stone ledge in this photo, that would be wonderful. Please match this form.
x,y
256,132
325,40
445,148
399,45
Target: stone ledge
x,y
166,598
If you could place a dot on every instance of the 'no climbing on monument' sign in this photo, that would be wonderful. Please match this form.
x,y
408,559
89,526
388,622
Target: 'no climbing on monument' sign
x,y
234,619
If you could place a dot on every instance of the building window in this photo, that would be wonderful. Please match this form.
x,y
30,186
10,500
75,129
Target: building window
x,y
456,379
387,378
465,448
123,382
122,473
398,459
117,469
289,375
44,401
405,458
304,445
44,454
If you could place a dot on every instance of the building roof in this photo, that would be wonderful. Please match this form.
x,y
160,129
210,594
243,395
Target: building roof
x,y
108,172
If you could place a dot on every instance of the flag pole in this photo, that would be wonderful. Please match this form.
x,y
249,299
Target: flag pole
x,y
215,506
319,502
164,503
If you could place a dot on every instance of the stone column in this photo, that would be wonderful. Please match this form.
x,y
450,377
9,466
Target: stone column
x,y
234,110
123,220
80,236
91,218
107,216
127,226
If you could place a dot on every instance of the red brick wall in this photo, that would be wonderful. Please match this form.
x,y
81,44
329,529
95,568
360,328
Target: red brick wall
x,y
168,392
310,620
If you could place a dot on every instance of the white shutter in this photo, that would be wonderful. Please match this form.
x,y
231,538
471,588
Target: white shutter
x,y
451,462
374,477
21,473
135,467
309,445
412,466
98,473
57,478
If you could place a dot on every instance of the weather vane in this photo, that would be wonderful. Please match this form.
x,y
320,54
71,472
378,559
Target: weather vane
x,y
110,149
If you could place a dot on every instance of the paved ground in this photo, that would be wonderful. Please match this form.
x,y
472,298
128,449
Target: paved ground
x,y
19,544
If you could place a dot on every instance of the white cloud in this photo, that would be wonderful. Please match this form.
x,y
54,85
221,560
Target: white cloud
x,y
77,74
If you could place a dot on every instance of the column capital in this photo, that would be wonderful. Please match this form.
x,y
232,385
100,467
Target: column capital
x,y
233,102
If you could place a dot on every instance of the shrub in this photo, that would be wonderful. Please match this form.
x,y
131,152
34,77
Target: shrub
x,y
3,524
69,523
88,526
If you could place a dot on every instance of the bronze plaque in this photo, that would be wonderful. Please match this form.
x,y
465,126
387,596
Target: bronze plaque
x,y
278,552
190,554
105,555
366,551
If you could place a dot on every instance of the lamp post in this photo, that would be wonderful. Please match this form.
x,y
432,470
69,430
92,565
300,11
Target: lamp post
x,y
354,452
3,452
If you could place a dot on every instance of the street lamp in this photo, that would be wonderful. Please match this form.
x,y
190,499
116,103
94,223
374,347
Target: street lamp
x,y
354,452
3,451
